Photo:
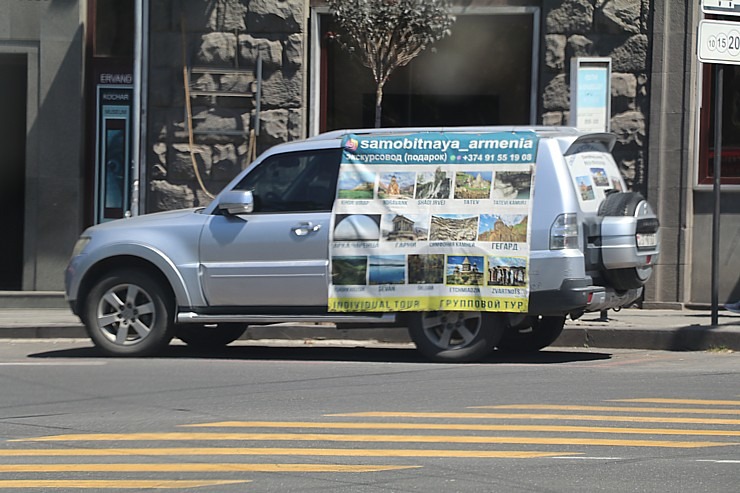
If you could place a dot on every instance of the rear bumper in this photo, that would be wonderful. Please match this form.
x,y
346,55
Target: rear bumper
x,y
572,296
579,295
614,299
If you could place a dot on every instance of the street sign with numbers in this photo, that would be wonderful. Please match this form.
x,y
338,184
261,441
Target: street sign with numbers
x,y
721,7
719,42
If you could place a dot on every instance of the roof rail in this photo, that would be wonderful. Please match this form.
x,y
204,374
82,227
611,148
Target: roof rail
x,y
541,129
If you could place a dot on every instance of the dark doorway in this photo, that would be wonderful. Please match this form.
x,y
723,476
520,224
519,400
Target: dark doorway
x,y
13,89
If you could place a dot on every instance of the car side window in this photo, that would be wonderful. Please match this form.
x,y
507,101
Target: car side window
x,y
294,182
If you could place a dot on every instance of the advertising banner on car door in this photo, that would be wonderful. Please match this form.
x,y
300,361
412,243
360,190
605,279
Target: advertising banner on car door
x,y
433,221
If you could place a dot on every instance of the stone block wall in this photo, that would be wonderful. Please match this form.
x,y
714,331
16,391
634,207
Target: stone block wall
x,y
602,28
223,34
222,38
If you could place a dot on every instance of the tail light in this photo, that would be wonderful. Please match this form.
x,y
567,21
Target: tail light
x,y
564,232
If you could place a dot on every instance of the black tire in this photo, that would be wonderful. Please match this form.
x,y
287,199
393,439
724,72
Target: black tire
x,y
630,278
620,204
202,336
456,337
129,313
624,204
530,337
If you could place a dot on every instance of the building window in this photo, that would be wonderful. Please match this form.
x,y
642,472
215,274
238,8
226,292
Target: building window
x,y
480,75
114,29
730,127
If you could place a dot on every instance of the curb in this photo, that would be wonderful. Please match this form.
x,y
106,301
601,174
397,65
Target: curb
x,y
33,300
666,330
62,331
674,339
689,338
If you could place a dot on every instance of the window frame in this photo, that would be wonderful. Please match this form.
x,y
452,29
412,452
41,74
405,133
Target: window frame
x,y
704,173
325,155
318,68
705,167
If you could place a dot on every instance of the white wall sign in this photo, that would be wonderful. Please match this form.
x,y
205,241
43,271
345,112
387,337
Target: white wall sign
x,y
721,7
590,100
719,42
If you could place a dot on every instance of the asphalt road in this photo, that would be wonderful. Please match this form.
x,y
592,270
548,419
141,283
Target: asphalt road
x,y
305,418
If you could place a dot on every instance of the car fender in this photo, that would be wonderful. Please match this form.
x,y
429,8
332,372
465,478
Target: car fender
x,y
83,265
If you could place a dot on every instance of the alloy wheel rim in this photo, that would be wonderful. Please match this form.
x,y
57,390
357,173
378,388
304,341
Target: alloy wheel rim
x,y
125,314
451,330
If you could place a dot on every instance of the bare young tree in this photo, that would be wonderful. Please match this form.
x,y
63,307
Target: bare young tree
x,y
387,34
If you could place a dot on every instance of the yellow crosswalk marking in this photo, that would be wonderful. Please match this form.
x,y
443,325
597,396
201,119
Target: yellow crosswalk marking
x,y
121,484
319,437
319,452
410,429
552,417
697,402
463,427
197,467
666,410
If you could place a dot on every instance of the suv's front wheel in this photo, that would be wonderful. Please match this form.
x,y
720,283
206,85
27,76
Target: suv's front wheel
x,y
129,313
456,337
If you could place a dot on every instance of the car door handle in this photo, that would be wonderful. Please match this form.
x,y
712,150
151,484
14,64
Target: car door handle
x,y
306,229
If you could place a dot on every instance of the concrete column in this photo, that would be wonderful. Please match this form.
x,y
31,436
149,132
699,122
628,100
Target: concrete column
x,y
672,144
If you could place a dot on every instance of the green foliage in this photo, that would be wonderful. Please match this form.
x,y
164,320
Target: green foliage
x,y
387,34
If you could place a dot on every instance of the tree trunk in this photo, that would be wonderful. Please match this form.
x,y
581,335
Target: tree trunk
x,y
378,103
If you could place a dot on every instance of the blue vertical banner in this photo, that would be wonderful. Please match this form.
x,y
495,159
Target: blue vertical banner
x,y
433,221
113,151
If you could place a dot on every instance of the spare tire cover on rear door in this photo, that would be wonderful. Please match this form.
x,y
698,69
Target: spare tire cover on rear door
x,y
625,204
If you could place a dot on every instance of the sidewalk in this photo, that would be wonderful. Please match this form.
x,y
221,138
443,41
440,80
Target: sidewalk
x,y
672,330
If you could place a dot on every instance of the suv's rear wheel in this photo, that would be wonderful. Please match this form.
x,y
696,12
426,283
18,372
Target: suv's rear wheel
x,y
203,336
531,335
456,336
129,313
625,204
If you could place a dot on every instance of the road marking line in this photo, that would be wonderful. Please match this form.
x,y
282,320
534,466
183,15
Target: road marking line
x,y
322,452
53,363
679,401
199,467
588,458
556,407
123,483
329,437
465,427
720,461
565,417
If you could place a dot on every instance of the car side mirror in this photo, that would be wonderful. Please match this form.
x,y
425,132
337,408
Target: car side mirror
x,y
235,202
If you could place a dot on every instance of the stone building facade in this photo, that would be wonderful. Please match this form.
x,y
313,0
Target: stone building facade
x,y
604,28
220,43
224,34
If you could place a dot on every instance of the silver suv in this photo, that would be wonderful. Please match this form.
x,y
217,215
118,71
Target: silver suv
x,y
260,254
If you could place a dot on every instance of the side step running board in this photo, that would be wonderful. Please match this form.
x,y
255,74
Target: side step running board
x,y
192,317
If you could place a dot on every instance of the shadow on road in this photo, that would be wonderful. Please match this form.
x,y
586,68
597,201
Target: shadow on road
x,y
338,354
